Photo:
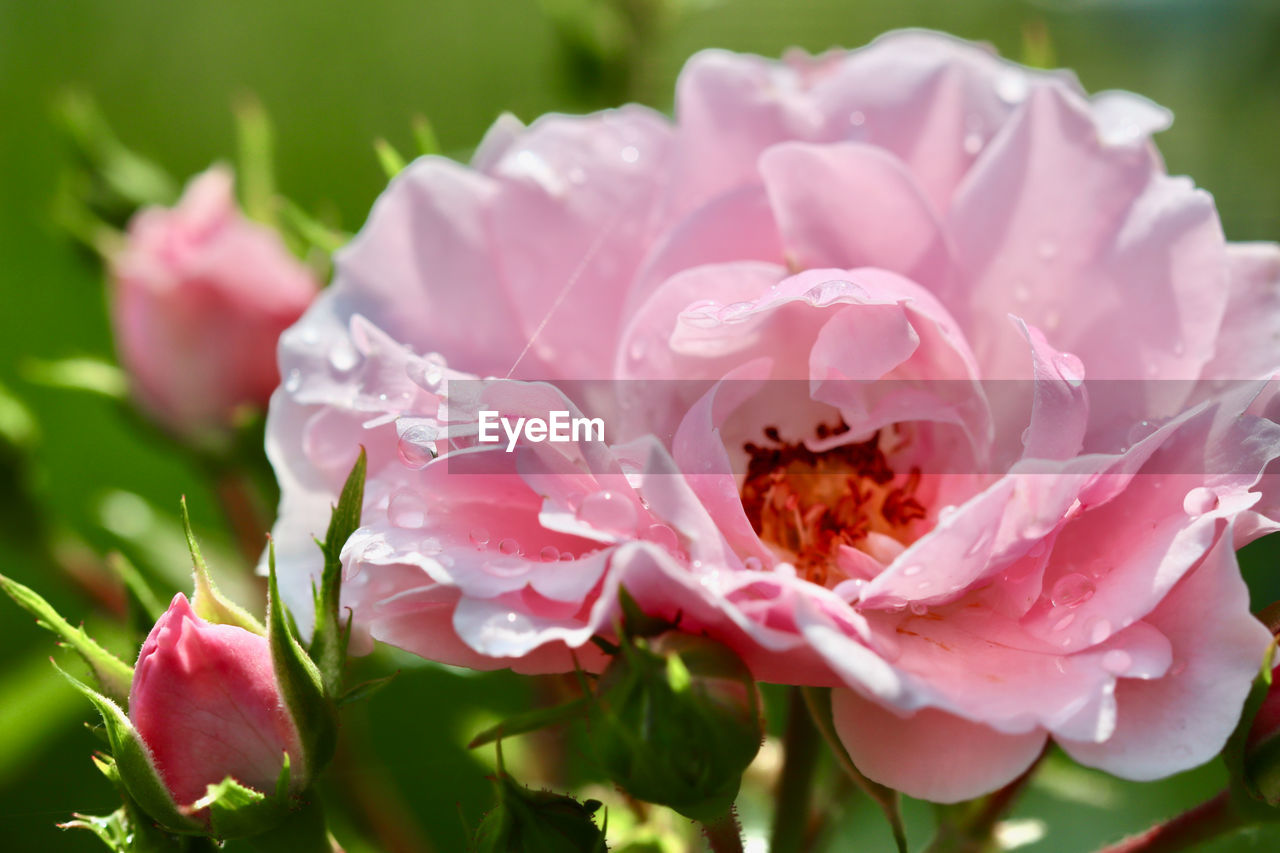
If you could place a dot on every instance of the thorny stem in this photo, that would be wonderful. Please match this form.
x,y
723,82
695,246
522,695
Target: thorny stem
x,y
1186,831
795,788
724,835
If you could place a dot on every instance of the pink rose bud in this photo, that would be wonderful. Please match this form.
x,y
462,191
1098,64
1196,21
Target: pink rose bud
x,y
199,297
206,703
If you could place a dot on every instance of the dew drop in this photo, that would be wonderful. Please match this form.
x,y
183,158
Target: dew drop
x,y
406,510
1179,666
416,446
1072,590
735,312
752,564
1199,500
637,349
828,292
1116,661
343,358
549,553
293,381
630,154
1099,630
972,142
1140,431
918,608
608,511
1064,623
1070,368
567,557
661,534
857,119
479,537
426,372
510,547
912,571
1012,86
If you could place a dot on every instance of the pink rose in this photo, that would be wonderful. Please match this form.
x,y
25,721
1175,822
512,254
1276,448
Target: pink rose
x,y
205,702
199,298
839,315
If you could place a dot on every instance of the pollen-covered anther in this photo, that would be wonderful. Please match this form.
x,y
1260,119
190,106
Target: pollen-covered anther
x,y
805,504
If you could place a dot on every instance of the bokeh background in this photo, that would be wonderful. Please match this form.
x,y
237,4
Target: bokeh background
x,y
77,471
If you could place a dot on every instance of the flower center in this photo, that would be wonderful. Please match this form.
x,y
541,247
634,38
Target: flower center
x,y
806,504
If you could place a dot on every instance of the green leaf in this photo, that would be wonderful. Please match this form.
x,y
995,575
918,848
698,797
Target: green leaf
x,y
312,231
91,375
132,178
113,829
134,763
299,680
113,675
1247,770
329,640
389,158
236,811
531,721
366,689
207,602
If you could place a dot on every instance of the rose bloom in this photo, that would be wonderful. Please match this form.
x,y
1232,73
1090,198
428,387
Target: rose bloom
x,y
199,297
849,304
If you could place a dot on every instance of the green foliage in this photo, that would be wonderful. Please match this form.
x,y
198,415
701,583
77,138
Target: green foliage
x,y
332,633
112,674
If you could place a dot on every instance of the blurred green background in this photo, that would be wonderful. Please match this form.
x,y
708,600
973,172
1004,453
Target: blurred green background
x,y
335,76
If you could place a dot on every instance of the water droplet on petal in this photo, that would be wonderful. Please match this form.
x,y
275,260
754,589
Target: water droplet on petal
x,y
1116,661
829,292
972,142
608,511
293,381
661,534
416,447
857,119
918,608
1099,630
510,547
406,509
1072,590
630,154
1070,368
735,312
752,564
1012,86
1063,623
343,358
1199,500
912,571
479,537
426,372
549,553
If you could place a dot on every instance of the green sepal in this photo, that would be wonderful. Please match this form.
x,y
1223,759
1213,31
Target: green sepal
x,y
677,733
113,675
531,721
637,623
1254,774
255,143
237,811
329,640
425,136
128,829
391,160
207,602
310,230
365,689
299,680
80,373
133,763
528,821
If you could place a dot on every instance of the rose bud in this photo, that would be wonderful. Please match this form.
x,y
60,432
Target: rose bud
x,y
199,297
676,720
206,704
528,821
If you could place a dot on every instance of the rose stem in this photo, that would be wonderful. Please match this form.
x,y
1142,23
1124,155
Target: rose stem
x,y
724,835
1187,830
795,788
